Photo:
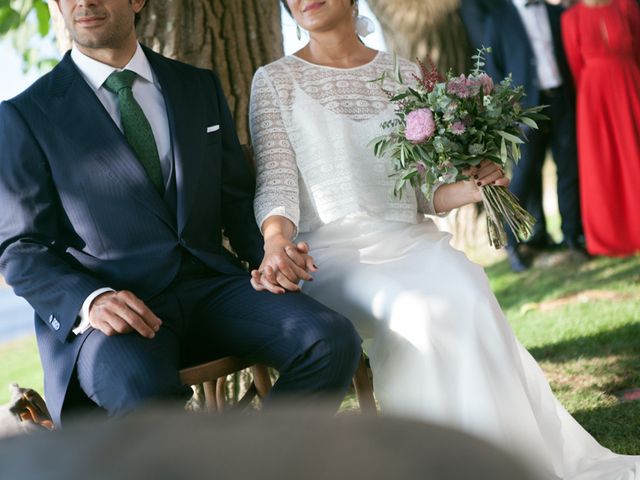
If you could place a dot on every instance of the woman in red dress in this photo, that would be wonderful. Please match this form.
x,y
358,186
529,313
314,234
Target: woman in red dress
x,y
602,43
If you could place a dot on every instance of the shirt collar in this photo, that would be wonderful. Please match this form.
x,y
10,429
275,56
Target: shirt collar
x,y
96,72
523,3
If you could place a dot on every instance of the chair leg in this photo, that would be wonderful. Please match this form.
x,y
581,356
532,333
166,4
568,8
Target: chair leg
x,y
364,391
221,384
261,379
209,388
246,399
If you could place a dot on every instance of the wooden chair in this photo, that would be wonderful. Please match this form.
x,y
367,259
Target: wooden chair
x,y
212,376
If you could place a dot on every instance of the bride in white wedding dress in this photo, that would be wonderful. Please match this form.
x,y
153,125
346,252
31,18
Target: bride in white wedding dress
x,y
439,345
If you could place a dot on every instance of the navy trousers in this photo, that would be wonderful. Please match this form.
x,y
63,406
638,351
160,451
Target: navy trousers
x,y
526,182
207,316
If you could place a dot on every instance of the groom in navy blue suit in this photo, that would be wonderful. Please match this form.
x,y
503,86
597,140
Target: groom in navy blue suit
x,y
526,42
120,170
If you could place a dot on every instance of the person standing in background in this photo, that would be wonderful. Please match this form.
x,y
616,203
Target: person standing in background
x,y
602,41
526,43
474,16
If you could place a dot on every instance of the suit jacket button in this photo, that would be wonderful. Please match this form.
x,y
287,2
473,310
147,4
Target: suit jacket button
x,y
55,324
51,318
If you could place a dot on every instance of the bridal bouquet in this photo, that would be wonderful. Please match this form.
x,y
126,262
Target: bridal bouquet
x,y
443,126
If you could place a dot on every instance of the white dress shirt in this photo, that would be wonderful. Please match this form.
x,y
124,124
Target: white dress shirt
x,y
148,94
536,23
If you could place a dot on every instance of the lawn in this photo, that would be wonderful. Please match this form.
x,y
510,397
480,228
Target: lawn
x,y
580,321
19,363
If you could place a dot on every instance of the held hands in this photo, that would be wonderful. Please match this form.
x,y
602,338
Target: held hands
x,y
283,266
114,313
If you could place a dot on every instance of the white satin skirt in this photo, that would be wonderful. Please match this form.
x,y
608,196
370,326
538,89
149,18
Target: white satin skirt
x,y
441,349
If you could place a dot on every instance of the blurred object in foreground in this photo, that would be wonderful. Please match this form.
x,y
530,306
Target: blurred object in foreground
x,y
26,413
300,445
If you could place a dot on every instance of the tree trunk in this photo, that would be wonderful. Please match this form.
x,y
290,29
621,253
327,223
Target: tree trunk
x,y
425,29
231,37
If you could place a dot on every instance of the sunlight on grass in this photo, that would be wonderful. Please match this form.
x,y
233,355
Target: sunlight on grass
x,y
582,323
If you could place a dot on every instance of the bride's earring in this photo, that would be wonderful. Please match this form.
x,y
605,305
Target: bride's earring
x,y
298,32
364,26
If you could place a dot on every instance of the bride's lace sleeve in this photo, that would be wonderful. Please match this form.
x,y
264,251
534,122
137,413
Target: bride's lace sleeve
x,y
425,205
277,172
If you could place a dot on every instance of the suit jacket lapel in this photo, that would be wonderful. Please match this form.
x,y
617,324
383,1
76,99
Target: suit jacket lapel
x,y
81,116
185,139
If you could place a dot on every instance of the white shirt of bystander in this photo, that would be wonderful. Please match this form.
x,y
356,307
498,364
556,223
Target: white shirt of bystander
x,y
536,23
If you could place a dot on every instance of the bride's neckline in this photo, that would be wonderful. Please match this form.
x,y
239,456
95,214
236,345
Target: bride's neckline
x,y
338,68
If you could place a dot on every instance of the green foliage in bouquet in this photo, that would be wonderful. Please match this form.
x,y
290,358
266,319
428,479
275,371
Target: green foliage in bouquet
x,y
443,126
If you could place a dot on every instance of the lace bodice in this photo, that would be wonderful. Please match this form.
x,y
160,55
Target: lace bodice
x,y
310,127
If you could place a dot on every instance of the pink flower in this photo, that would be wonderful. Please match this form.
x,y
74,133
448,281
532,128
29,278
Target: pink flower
x,y
420,125
487,83
473,86
458,86
458,128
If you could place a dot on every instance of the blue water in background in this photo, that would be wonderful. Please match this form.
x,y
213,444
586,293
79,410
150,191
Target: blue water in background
x,y
16,316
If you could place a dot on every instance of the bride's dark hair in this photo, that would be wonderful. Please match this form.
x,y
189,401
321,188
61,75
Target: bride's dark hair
x,y
286,6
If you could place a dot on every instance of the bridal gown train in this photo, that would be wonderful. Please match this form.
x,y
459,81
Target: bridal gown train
x,y
439,345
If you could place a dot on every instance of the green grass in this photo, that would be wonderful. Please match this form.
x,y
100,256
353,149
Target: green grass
x,y
582,324
20,363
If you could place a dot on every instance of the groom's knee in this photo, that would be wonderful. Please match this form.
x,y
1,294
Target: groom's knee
x,y
122,372
345,344
334,347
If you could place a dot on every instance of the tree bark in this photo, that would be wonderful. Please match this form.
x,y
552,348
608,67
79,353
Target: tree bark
x,y
231,37
425,29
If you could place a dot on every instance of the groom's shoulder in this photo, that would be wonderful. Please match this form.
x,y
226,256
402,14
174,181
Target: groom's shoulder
x,y
54,83
177,66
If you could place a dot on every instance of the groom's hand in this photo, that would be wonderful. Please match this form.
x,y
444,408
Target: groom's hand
x,y
120,312
283,266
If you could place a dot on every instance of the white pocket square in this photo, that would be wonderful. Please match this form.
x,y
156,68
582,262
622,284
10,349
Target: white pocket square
x,y
213,128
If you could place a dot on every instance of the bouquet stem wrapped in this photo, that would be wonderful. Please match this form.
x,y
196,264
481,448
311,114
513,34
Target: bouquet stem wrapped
x,y
502,207
444,126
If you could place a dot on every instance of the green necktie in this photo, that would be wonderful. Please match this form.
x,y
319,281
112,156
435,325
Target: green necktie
x,y
135,125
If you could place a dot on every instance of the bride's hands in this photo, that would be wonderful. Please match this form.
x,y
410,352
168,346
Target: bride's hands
x,y
283,266
485,173
464,192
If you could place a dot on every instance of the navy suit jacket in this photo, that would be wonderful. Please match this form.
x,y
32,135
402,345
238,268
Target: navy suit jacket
x,y
79,212
474,16
512,52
